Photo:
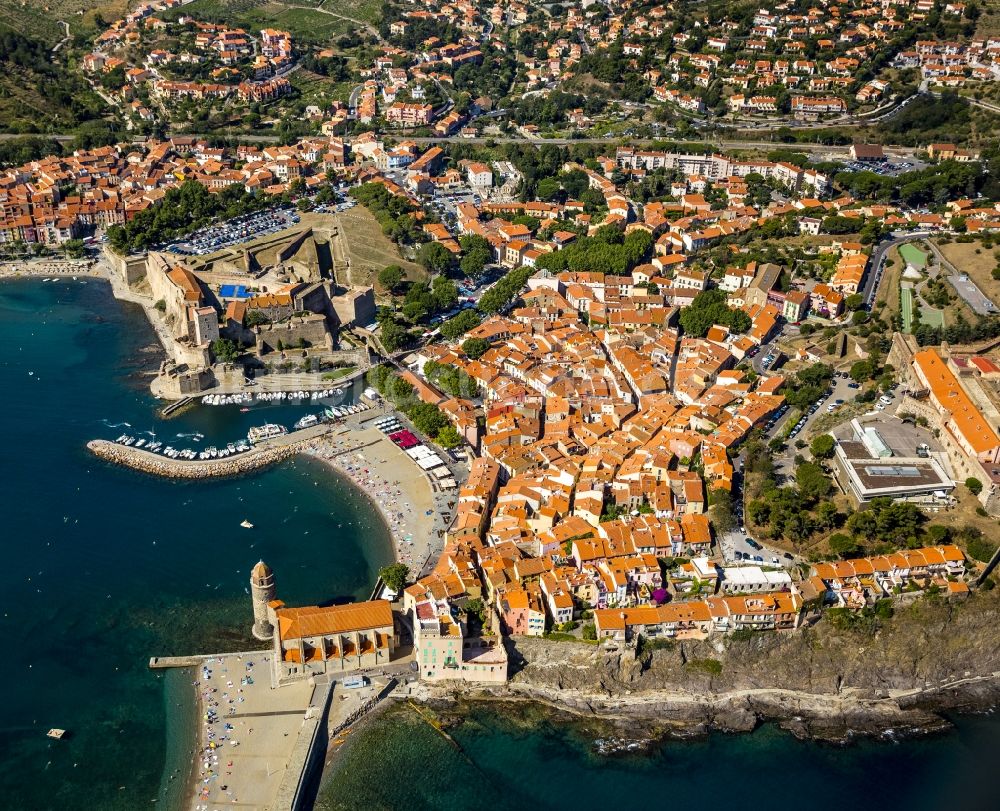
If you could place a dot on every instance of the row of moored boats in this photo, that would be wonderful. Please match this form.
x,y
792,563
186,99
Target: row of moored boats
x,y
329,415
155,446
242,398
254,435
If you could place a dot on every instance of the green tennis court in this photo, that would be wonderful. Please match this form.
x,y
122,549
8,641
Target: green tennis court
x,y
906,306
931,317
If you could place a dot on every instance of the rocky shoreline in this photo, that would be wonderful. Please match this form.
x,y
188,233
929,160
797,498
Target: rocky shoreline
x,y
901,678
637,721
156,465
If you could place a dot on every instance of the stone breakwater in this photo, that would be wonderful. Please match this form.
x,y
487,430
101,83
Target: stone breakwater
x,y
157,465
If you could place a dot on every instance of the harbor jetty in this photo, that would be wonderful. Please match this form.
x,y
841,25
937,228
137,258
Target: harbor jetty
x,y
265,453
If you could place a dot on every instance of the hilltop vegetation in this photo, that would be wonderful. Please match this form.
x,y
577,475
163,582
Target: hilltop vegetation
x,y
317,26
40,18
38,93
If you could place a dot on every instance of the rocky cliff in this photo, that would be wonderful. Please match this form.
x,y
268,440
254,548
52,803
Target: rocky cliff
x,y
897,675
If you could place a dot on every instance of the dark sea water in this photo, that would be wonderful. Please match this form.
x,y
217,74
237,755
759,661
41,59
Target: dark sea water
x,y
105,567
512,759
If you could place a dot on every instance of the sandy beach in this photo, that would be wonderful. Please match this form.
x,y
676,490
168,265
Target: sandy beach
x,y
414,513
51,268
247,732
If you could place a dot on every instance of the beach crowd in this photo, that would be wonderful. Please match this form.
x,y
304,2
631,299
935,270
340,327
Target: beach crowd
x,y
221,695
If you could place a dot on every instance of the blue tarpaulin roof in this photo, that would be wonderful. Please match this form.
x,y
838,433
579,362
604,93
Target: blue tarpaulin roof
x,y
233,291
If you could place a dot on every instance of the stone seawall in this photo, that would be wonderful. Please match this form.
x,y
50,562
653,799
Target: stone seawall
x,y
261,456
157,465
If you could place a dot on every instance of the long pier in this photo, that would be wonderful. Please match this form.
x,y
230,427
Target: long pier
x,y
266,452
174,406
166,662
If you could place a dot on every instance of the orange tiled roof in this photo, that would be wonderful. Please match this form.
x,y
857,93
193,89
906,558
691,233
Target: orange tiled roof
x,y
295,623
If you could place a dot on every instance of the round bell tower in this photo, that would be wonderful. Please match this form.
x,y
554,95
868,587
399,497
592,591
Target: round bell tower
x,y
262,591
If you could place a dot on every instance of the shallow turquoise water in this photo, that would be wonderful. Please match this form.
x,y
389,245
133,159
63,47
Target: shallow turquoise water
x,y
503,764
104,567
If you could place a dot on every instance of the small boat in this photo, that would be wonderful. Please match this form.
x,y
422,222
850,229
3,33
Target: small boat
x,y
56,733
246,524
307,421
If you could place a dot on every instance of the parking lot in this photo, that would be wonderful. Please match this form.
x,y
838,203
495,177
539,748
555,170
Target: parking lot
x,y
975,297
214,238
883,167
841,390
903,439
739,548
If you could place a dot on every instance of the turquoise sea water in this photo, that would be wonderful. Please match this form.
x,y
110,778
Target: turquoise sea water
x,y
513,758
104,567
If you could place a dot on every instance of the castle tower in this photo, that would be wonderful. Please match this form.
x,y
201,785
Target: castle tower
x,y
262,591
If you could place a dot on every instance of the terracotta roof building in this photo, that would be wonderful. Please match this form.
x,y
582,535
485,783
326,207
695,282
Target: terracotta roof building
x,y
316,639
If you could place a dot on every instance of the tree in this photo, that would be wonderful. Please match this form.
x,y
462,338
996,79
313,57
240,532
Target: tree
x,y
853,301
477,254
709,308
979,548
445,293
427,418
974,485
590,631
827,516
844,546
448,437
73,248
255,318
822,446
459,325
475,348
862,370
390,277
476,608
435,257
393,336
887,521
225,350
394,576
812,482
547,189
721,510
